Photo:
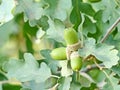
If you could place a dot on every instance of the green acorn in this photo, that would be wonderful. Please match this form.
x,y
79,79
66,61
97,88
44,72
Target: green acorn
x,y
59,53
76,61
70,36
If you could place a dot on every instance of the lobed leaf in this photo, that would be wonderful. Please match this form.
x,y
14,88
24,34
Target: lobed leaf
x,y
27,70
64,83
105,53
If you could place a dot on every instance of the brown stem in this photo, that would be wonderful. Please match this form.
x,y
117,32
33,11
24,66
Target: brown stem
x,y
110,30
91,67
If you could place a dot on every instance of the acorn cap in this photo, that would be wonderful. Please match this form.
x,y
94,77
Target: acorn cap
x,y
75,46
74,55
71,48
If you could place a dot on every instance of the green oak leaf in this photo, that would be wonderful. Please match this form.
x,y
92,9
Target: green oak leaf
x,y
117,36
6,30
104,26
92,87
50,82
108,7
6,10
64,83
75,86
43,23
32,85
88,26
105,53
59,9
0,1
55,30
86,9
32,11
53,64
3,59
63,9
111,84
8,86
75,15
85,80
116,69
27,70
97,75
65,71
109,12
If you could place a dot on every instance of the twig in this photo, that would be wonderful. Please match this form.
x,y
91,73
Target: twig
x,y
80,29
110,30
4,82
100,67
91,67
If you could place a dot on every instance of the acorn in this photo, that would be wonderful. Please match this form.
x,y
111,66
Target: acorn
x,y
70,36
59,53
75,61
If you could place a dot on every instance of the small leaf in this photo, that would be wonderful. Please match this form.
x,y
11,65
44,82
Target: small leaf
x,y
53,64
85,80
43,22
64,83
65,71
55,30
2,77
3,59
5,10
116,69
32,85
41,77
50,82
32,11
10,87
58,9
40,33
86,8
75,86
88,26
62,8
92,87
97,75
75,16
6,30
111,84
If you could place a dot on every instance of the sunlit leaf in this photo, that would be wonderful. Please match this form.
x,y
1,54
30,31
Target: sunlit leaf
x,y
64,83
75,86
32,11
6,10
6,30
53,64
105,53
50,82
55,30
111,84
27,70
